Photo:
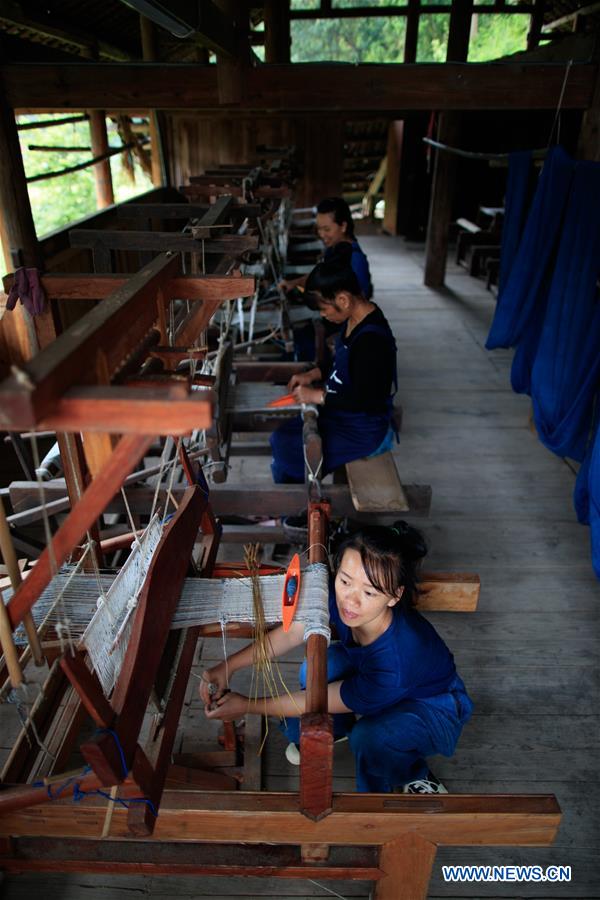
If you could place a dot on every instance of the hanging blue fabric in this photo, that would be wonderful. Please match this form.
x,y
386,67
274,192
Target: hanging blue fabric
x,y
587,497
566,371
517,196
523,297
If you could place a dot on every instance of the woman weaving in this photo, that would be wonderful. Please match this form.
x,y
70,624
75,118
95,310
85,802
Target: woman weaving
x,y
389,666
355,401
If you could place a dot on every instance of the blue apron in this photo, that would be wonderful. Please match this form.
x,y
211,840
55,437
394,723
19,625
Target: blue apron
x,y
346,435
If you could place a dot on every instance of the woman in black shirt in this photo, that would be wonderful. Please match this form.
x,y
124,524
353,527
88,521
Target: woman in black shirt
x,y
356,398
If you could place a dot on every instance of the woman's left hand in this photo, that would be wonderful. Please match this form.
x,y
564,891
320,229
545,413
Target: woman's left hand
x,y
305,394
229,707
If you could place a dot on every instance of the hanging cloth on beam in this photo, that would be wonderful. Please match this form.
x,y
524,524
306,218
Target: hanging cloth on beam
x,y
524,296
566,371
516,205
587,497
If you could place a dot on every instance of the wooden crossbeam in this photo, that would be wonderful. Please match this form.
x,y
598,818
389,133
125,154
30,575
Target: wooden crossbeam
x,y
161,241
287,88
70,286
447,820
233,499
119,325
181,210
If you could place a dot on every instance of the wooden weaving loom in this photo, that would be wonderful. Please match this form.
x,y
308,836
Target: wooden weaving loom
x,y
391,839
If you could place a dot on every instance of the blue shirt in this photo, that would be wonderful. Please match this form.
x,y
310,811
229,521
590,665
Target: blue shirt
x,y
408,661
360,267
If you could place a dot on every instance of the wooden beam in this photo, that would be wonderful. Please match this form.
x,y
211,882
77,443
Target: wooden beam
x,y
161,241
233,499
364,819
102,174
373,88
131,410
73,39
132,858
118,324
72,286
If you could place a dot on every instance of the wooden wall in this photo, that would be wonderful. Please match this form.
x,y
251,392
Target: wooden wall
x,y
196,142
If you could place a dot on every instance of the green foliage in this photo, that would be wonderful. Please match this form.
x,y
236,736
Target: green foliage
x,y
381,39
371,40
62,200
494,36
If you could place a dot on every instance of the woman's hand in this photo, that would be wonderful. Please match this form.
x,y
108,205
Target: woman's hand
x,y
303,379
309,395
300,379
213,682
229,707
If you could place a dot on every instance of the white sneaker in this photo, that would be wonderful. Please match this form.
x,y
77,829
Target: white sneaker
x,y
292,754
292,751
428,785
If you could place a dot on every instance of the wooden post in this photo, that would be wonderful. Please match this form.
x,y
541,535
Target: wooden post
x,y
392,178
156,147
407,863
230,70
460,31
316,731
412,31
536,22
18,229
589,137
440,208
277,31
102,174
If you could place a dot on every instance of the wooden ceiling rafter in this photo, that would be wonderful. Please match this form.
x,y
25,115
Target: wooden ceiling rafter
x,y
62,34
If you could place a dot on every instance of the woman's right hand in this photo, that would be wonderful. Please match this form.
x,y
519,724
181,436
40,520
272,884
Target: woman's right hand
x,y
213,683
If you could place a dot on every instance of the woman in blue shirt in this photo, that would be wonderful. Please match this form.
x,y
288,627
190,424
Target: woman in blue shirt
x,y
335,226
389,666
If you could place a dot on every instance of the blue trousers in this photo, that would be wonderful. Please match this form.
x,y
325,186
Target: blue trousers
x,y
390,747
346,436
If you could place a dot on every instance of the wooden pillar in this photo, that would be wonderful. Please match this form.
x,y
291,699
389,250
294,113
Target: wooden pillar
x,y
412,31
156,147
440,207
18,231
320,141
277,31
589,136
407,863
230,70
102,174
535,26
316,728
392,177
460,31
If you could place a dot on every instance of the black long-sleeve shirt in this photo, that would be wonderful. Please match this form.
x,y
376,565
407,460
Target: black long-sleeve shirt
x,y
372,367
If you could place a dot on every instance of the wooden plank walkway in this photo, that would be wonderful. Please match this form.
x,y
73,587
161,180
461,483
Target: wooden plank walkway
x,y
501,507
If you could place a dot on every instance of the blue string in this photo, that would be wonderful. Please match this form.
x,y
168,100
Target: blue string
x,y
79,794
119,747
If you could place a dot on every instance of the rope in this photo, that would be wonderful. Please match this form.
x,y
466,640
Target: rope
x,y
559,106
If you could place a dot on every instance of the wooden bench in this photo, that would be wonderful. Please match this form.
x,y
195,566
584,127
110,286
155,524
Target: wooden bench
x,y
375,485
